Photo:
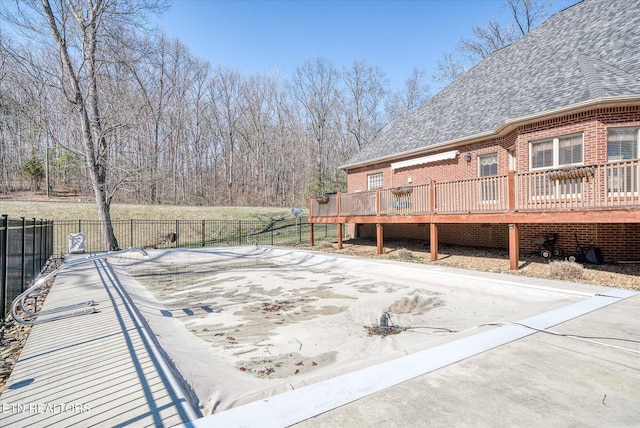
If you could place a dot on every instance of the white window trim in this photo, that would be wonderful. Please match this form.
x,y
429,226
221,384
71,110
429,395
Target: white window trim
x,y
479,163
637,128
512,158
483,186
624,193
370,176
557,194
556,152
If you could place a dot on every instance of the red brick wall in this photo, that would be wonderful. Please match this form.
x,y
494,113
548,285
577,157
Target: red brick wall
x,y
617,241
472,235
593,124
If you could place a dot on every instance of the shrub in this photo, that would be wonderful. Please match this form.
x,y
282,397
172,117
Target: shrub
x,y
325,244
404,254
565,271
33,169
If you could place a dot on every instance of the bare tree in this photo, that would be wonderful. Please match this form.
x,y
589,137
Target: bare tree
x,y
225,92
82,34
525,16
414,93
487,39
315,88
363,104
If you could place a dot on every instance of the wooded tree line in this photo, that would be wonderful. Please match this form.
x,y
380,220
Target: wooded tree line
x,y
173,128
95,101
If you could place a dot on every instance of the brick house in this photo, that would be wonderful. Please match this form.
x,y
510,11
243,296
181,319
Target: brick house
x,y
542,137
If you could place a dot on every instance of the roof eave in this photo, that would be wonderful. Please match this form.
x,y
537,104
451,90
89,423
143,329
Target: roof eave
x,y
503,129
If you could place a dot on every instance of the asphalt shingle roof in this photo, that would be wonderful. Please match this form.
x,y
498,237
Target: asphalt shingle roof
x,y
588,51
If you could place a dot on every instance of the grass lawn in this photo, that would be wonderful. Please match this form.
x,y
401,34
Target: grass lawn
x,y
58,210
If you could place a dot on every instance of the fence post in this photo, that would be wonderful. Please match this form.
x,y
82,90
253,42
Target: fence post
x,y
239,232
33,246
23,276
49,238
131,233
37,248
41,247
177,232
4,246
203,233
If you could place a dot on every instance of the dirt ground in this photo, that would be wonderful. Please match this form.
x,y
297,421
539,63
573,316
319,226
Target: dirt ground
x,y
622,275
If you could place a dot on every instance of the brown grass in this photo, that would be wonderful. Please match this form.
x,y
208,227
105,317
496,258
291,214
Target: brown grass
x,y
55,210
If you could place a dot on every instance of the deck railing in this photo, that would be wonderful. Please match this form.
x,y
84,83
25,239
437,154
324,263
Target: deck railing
x,y
485,194
405,200
603,186
609,185
359,203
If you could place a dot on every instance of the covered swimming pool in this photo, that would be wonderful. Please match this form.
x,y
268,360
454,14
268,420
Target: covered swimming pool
x,y
244,323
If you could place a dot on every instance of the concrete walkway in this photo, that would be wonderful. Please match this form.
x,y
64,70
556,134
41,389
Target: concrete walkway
x,y
100,369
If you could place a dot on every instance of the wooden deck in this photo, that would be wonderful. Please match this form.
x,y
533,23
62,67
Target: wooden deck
x,y
603,193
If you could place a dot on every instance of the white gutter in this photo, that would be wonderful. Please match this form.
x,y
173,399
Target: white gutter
x,y
504,128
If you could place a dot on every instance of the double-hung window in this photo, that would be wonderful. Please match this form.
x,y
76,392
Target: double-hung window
x,y
553,153
623,145
488,167
374,181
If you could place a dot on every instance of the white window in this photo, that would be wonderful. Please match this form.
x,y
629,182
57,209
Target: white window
x,y
556,153
374,181
488,167
622,145
512,159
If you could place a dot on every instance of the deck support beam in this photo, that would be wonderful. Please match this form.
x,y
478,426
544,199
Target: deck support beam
x,y
339,236
514,246
433,241
379,238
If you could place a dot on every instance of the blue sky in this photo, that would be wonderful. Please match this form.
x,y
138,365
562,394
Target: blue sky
x,y
259,36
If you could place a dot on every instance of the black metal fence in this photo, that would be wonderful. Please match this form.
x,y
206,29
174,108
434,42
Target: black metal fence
x,y
25,247
190,233
27,244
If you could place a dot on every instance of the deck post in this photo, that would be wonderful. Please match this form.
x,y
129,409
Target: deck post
x,y
514,246
432,196
433,241
379,239
339,236
378,203
511,190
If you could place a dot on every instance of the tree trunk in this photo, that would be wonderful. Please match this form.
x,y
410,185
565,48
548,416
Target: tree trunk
x,y
95,144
